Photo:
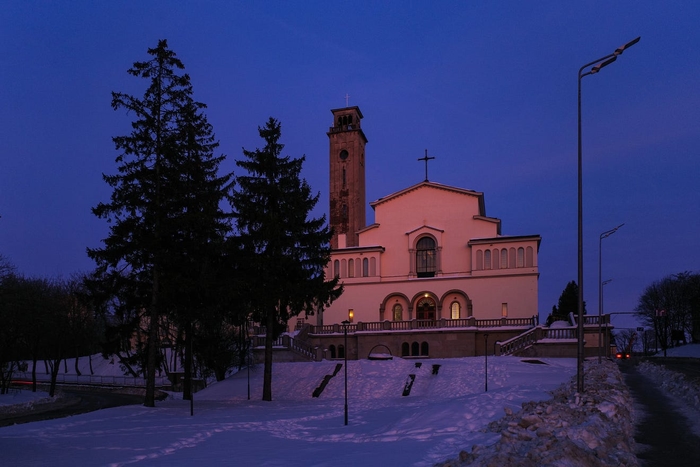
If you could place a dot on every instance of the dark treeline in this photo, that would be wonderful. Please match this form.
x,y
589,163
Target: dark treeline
x,y
671,307
43,321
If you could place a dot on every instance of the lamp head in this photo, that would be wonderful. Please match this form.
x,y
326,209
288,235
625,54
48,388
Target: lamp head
x,y
622,48
607,62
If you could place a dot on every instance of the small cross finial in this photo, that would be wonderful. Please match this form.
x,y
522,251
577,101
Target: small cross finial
x,y
426,159
347,99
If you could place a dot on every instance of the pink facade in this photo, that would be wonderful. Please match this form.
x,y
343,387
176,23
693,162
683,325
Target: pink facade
x,y
433,253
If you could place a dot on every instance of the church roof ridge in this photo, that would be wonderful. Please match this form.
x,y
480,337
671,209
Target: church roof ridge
x,y
439,186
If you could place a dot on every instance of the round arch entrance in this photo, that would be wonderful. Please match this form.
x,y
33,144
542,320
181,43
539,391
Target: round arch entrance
x,y
425,308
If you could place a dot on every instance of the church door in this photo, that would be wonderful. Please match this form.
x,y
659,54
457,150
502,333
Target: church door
x,y
426,308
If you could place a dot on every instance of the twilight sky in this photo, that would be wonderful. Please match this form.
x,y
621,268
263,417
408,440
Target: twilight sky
x,y
489,88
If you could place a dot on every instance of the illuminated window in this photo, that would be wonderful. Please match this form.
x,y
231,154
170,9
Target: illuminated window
x,y
398,312
504,310
454,308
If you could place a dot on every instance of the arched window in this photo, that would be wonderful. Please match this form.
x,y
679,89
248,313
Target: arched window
x,y
529,257
365,267
425,257
372,267
405,349
454,309
496,258
331,350
336,268
344,212
424,349
397,312
341,351
415,349
479,260
487,259
343,269
425,308
351,268
511,258
344,178
358,268
504,258
521,257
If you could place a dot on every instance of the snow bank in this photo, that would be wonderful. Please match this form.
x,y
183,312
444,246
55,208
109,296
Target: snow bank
x,y
591,429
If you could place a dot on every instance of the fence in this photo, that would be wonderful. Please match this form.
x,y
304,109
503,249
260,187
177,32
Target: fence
x,y
93,380
423,324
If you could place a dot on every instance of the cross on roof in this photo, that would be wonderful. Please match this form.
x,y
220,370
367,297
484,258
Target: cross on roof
x,y
347,97
426,159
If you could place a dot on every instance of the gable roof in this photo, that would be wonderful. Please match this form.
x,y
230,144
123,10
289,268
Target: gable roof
x,y
438,186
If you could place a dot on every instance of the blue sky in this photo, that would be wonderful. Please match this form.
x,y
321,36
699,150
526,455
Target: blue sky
x,y
489,88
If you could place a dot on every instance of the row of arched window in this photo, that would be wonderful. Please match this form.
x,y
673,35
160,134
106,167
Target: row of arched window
x,y
505,258
355,267
415,349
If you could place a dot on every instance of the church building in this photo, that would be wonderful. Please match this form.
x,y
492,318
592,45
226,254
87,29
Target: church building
x,y
432,255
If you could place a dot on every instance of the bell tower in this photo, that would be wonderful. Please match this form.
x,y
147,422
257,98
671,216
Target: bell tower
x,y
347,177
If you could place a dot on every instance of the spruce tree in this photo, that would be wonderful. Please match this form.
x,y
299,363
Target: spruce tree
x,y
287,249
164,209
568,303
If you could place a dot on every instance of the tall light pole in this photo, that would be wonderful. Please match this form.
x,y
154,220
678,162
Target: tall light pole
x,y
605,234
596,67
345,354
486,363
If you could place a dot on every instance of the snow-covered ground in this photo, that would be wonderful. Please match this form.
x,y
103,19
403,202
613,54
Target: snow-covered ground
x,y
443,418
443,414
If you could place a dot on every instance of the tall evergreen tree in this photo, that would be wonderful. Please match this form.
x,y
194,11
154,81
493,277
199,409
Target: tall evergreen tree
x,y
164,208
568,303
288,251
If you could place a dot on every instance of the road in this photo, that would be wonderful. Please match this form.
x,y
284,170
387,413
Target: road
x,y
77,401
663,432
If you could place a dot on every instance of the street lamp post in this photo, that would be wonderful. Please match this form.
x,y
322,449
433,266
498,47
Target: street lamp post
x,y
602,308
249,354
486,363
596,67
345,354
605,234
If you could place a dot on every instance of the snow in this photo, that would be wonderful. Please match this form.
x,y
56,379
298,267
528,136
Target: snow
x,y
443,414
529,410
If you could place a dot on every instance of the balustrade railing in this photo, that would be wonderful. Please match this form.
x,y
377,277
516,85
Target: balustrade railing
x,y
422,324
